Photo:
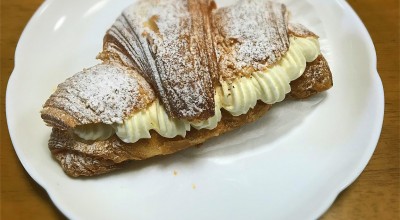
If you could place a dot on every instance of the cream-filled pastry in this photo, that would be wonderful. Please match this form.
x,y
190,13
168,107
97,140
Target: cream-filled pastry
x,y
237,97
176,73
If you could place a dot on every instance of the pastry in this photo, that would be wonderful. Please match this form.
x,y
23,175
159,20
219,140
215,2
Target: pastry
x,y
175,73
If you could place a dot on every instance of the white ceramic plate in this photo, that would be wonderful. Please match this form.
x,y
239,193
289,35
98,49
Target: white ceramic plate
x,y
289,165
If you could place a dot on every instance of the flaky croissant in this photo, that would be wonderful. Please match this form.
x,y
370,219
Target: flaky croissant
x,y
176,73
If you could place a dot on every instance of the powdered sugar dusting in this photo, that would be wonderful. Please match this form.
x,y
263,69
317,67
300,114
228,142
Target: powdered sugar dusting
x,y
300,31
104,93
253,35
77,164
316,75
170,43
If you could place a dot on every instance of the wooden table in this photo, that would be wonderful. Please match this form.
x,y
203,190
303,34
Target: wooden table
x,y
374,195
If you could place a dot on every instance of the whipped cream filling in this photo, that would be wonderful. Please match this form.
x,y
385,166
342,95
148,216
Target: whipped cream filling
x,y
271,85
236,96
98,131
153,118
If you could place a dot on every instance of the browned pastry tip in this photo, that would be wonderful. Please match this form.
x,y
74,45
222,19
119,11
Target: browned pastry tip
x,y
105,93
58,118
299,30
75,164
316,78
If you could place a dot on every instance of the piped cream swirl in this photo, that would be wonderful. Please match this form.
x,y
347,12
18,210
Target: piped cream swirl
x,y
271,85
153,118
237,97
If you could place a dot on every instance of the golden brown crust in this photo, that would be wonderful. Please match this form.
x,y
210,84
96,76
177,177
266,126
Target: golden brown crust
x,y
86,158
76,164
133,41
58,118
170,43
105,93
316,78
299,30
251,36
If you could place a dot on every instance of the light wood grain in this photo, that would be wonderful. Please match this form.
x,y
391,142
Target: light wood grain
x,y
374,195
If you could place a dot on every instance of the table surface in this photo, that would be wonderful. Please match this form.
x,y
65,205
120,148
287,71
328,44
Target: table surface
x,y
375,194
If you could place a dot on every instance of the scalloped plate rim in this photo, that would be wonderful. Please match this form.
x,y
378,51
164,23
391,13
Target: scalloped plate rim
x,y
323,207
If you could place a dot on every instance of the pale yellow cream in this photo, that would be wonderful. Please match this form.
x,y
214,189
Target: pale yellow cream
x,y
237,97
153,118
271,85
98,131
